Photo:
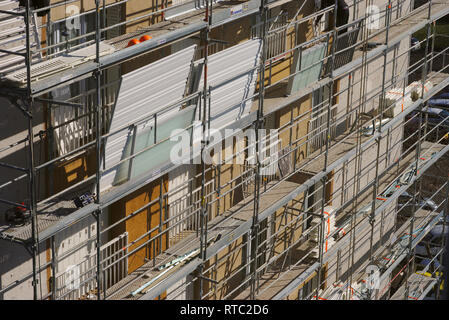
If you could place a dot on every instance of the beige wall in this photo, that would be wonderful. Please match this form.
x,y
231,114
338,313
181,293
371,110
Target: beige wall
x,y
140,223
225,269
63,10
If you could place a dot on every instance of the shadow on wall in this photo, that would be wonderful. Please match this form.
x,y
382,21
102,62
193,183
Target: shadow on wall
x,y
36,4
13,127
52,179
15,263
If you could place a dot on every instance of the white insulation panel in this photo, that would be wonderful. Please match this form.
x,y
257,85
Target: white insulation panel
x,y
232,74
142,93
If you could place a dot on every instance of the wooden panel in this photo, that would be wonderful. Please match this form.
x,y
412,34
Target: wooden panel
x,y
137,226
141,223
229,172
305,29
286,225
72,171
336,92
232,169
330,188
156,216
43,35
48,257
279,70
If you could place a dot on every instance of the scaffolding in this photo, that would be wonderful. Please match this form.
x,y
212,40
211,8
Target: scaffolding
x,y
292,235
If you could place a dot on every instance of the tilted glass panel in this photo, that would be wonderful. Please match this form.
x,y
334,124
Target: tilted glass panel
x,y
159,154
310,64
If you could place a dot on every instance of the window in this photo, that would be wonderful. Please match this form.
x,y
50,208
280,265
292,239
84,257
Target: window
x,y
75,126
276,41
64,31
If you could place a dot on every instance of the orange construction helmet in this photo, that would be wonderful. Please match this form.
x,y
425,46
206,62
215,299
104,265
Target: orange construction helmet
x,y
133,42
145,38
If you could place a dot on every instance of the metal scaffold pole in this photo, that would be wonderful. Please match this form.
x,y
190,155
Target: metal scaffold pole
x,y
326,156
31,164
258,126
204,143
98,115
417,185
379,138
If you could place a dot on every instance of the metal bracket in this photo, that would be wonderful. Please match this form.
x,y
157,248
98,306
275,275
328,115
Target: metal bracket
x,y
95,214
29,247
25,112
61,103
208,279
12,239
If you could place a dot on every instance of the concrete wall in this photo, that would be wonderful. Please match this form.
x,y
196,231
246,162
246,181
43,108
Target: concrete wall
x,y
141,222
15,264
14,127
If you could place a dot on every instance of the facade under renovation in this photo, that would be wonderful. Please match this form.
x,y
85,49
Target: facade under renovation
x,y
208,149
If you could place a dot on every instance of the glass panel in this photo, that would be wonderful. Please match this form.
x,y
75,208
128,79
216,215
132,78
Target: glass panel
x,y
308,63
157,155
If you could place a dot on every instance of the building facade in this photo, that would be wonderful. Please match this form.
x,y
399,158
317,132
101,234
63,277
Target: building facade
x,y
214,149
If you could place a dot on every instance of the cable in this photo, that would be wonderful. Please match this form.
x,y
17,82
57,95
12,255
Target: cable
x,y
413,233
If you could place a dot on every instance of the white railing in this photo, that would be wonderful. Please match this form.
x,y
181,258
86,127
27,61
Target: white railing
x,y
184,211
79,280
115,266
276,37
75,125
